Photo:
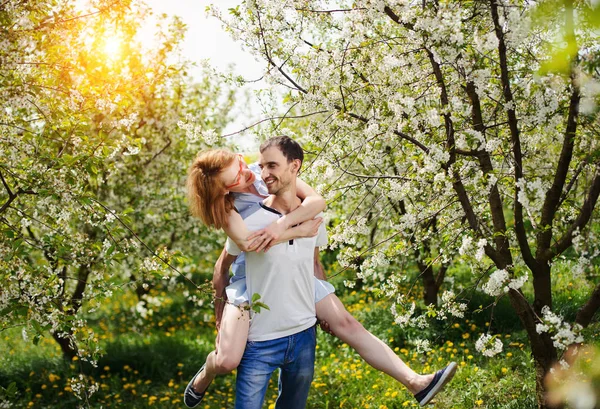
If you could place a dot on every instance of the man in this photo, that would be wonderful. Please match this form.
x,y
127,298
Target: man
x,y
284,335
250,191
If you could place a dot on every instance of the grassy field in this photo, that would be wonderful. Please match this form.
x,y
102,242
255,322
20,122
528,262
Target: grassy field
x,y
148,363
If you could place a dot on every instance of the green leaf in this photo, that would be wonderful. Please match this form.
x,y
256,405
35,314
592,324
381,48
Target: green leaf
x,y
38,328
7,310
257,306
255,297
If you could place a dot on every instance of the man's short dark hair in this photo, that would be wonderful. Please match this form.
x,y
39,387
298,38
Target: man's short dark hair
x,y
289,147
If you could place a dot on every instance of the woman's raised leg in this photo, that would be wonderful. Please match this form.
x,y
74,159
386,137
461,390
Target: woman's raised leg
x,y
231,342
374,351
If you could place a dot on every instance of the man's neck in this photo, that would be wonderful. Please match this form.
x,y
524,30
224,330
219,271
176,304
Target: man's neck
x,y
284,202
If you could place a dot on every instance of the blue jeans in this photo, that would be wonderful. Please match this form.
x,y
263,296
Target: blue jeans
x,y
294,355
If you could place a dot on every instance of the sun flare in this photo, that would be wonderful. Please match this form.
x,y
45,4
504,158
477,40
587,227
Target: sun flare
x,y
112,46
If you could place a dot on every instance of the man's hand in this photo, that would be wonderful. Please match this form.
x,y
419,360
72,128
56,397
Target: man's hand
x,y
220,301
220,281
325,327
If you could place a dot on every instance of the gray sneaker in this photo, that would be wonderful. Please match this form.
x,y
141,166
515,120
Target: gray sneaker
x,y
191,398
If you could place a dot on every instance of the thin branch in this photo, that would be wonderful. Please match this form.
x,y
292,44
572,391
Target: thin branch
x,y
331,11
578,171
400,134
146,246
159,152
589,309
273,119
270,60
584,216
10,193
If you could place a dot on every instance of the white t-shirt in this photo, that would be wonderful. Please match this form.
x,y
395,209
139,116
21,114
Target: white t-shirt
x,y
284,278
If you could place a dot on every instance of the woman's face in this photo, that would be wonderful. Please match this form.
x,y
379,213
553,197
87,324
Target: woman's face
x,y
237,177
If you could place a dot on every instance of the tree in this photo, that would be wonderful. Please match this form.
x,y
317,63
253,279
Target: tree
x,y
97,131
462,113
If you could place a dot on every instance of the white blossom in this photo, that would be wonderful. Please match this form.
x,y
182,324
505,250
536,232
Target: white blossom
x,y
488,345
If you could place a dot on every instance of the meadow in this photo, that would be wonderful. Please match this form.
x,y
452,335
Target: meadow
x,y
148,362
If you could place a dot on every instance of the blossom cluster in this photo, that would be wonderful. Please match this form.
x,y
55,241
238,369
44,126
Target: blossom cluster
x,y
563,334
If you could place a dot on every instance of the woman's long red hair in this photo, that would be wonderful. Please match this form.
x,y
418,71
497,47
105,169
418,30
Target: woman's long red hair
x,y
207,195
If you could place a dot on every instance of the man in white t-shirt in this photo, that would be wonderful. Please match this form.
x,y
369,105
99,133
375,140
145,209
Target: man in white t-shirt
x,y
282,336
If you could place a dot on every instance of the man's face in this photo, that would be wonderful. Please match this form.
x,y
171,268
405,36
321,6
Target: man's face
x,y
276,172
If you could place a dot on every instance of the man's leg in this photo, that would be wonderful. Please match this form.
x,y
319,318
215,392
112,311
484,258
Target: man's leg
x,y
254,372
297,372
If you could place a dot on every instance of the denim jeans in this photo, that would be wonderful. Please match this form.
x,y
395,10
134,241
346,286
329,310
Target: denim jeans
x,y
294,355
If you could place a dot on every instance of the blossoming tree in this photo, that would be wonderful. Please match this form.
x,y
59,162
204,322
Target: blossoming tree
x,y
93,163
470,125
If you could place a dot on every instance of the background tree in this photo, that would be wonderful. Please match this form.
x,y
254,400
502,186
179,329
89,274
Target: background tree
x,y
97,131
481,116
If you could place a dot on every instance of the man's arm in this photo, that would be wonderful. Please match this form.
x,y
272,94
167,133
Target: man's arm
x,y
220,281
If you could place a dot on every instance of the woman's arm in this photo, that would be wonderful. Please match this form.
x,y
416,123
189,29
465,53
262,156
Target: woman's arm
x,y
246,241
312,204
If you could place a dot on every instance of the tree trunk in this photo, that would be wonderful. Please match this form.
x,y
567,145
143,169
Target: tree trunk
x,y
65,345
431,283
542,348
430,287
73,306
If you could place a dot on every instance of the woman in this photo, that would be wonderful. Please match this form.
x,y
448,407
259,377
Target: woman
x,y
221,188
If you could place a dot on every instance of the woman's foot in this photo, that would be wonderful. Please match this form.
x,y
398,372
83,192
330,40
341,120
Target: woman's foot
x,y
200,382
440,379
419,382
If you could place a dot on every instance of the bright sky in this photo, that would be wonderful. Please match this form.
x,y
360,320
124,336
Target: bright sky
x,y
206,39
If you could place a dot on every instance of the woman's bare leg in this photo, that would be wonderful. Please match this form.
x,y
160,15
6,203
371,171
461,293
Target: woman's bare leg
x,y
374,351
231,342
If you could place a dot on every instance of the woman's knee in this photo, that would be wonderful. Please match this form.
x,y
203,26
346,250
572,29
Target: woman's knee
x,y
345,324
225,363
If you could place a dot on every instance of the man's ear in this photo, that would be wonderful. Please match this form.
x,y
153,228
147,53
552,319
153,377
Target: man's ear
x,y
296,163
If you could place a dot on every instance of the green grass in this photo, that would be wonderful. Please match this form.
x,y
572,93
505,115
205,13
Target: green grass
x,y
149,363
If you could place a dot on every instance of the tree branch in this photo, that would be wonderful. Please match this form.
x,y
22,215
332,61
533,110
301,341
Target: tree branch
x,y
584,216
514,129
270,60
495,200
554,193
395,18
589,309
400,134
